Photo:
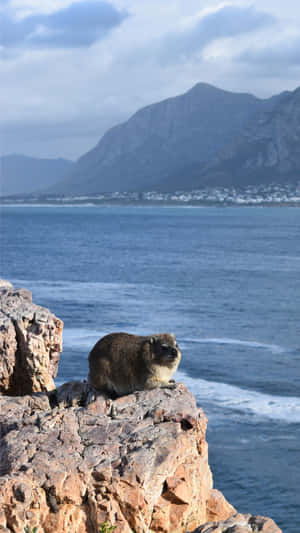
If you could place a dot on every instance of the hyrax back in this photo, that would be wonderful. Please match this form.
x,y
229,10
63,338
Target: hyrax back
x,y
121,363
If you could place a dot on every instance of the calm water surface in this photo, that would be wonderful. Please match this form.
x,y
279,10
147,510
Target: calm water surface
x,y
226,281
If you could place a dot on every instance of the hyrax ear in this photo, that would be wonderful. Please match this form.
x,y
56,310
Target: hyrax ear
x,y
172,335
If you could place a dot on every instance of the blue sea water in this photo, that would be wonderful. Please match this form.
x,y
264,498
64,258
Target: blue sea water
x,y
225,281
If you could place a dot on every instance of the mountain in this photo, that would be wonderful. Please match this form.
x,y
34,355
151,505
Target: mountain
x,y
205,136
268,151
20,174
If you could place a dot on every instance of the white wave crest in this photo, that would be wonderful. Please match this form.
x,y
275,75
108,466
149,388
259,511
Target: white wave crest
x,y
80,291
86,338
283,408
81,338
251,344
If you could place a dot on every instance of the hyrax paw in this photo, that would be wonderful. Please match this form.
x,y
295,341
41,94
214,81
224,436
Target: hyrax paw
x,y
172,385
169,385
113,412
90,397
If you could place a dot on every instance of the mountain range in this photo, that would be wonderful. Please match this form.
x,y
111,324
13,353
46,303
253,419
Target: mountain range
x,y
206,136
20,174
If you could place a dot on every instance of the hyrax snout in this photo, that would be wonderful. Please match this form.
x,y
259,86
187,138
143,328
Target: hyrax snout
x,y
121,363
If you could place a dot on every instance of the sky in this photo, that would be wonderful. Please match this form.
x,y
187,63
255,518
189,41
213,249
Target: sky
x,y
71,69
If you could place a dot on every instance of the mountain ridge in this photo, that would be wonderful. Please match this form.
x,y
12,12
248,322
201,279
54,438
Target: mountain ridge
x,y
204,137
21,174
183,142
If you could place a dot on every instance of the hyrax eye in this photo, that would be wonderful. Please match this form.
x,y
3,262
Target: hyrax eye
x,y
165,346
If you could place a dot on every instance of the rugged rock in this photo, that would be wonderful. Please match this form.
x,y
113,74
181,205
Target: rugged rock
x,y
217,507
30,343
138,462
267,151
73,460
240,523
5,284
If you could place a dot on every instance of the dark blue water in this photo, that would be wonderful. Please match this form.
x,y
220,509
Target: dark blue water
x,y
225,281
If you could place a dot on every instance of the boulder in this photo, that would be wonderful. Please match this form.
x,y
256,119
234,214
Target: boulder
x,y
138,462
217,507
30,343
240,523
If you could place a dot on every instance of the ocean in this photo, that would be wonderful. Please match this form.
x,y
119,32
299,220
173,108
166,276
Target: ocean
x,y
226,281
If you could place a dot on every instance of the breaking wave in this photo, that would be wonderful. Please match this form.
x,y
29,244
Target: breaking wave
x,y
221,395
229,397
250,344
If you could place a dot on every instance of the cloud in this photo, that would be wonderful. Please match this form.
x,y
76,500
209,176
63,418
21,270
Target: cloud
x,y
54,102
281,54
77,25
227,21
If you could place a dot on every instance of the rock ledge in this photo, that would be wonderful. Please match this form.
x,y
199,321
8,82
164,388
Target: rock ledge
x,y
141,466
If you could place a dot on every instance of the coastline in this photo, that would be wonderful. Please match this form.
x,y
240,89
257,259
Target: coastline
x,y
270,195
186,205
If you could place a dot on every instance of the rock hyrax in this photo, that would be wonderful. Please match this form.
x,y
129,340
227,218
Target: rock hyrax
x,y
121,363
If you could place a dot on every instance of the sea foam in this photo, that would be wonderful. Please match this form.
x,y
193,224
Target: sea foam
x,y
274,348
79,291
229,397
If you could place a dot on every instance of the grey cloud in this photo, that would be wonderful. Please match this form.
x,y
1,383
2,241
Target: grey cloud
x,y
283,54
78,25
68,137
228,21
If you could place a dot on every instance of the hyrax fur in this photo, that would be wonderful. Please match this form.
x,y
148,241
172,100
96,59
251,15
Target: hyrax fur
x,y
121,363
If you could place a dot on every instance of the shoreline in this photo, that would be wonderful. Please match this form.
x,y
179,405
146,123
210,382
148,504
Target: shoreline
x,y
263,195
187,205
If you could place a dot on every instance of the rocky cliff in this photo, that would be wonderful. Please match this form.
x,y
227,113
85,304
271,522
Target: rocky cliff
x,y
73,460
267,151
30,343
206,136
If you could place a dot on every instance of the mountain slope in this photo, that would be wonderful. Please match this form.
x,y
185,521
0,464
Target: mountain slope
x,y
20,174
147,150
269,150
206,136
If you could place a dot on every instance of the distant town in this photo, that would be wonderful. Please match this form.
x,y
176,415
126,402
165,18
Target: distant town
x,y
256,195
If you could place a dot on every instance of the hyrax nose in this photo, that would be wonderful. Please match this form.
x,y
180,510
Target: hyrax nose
x,y
174,352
